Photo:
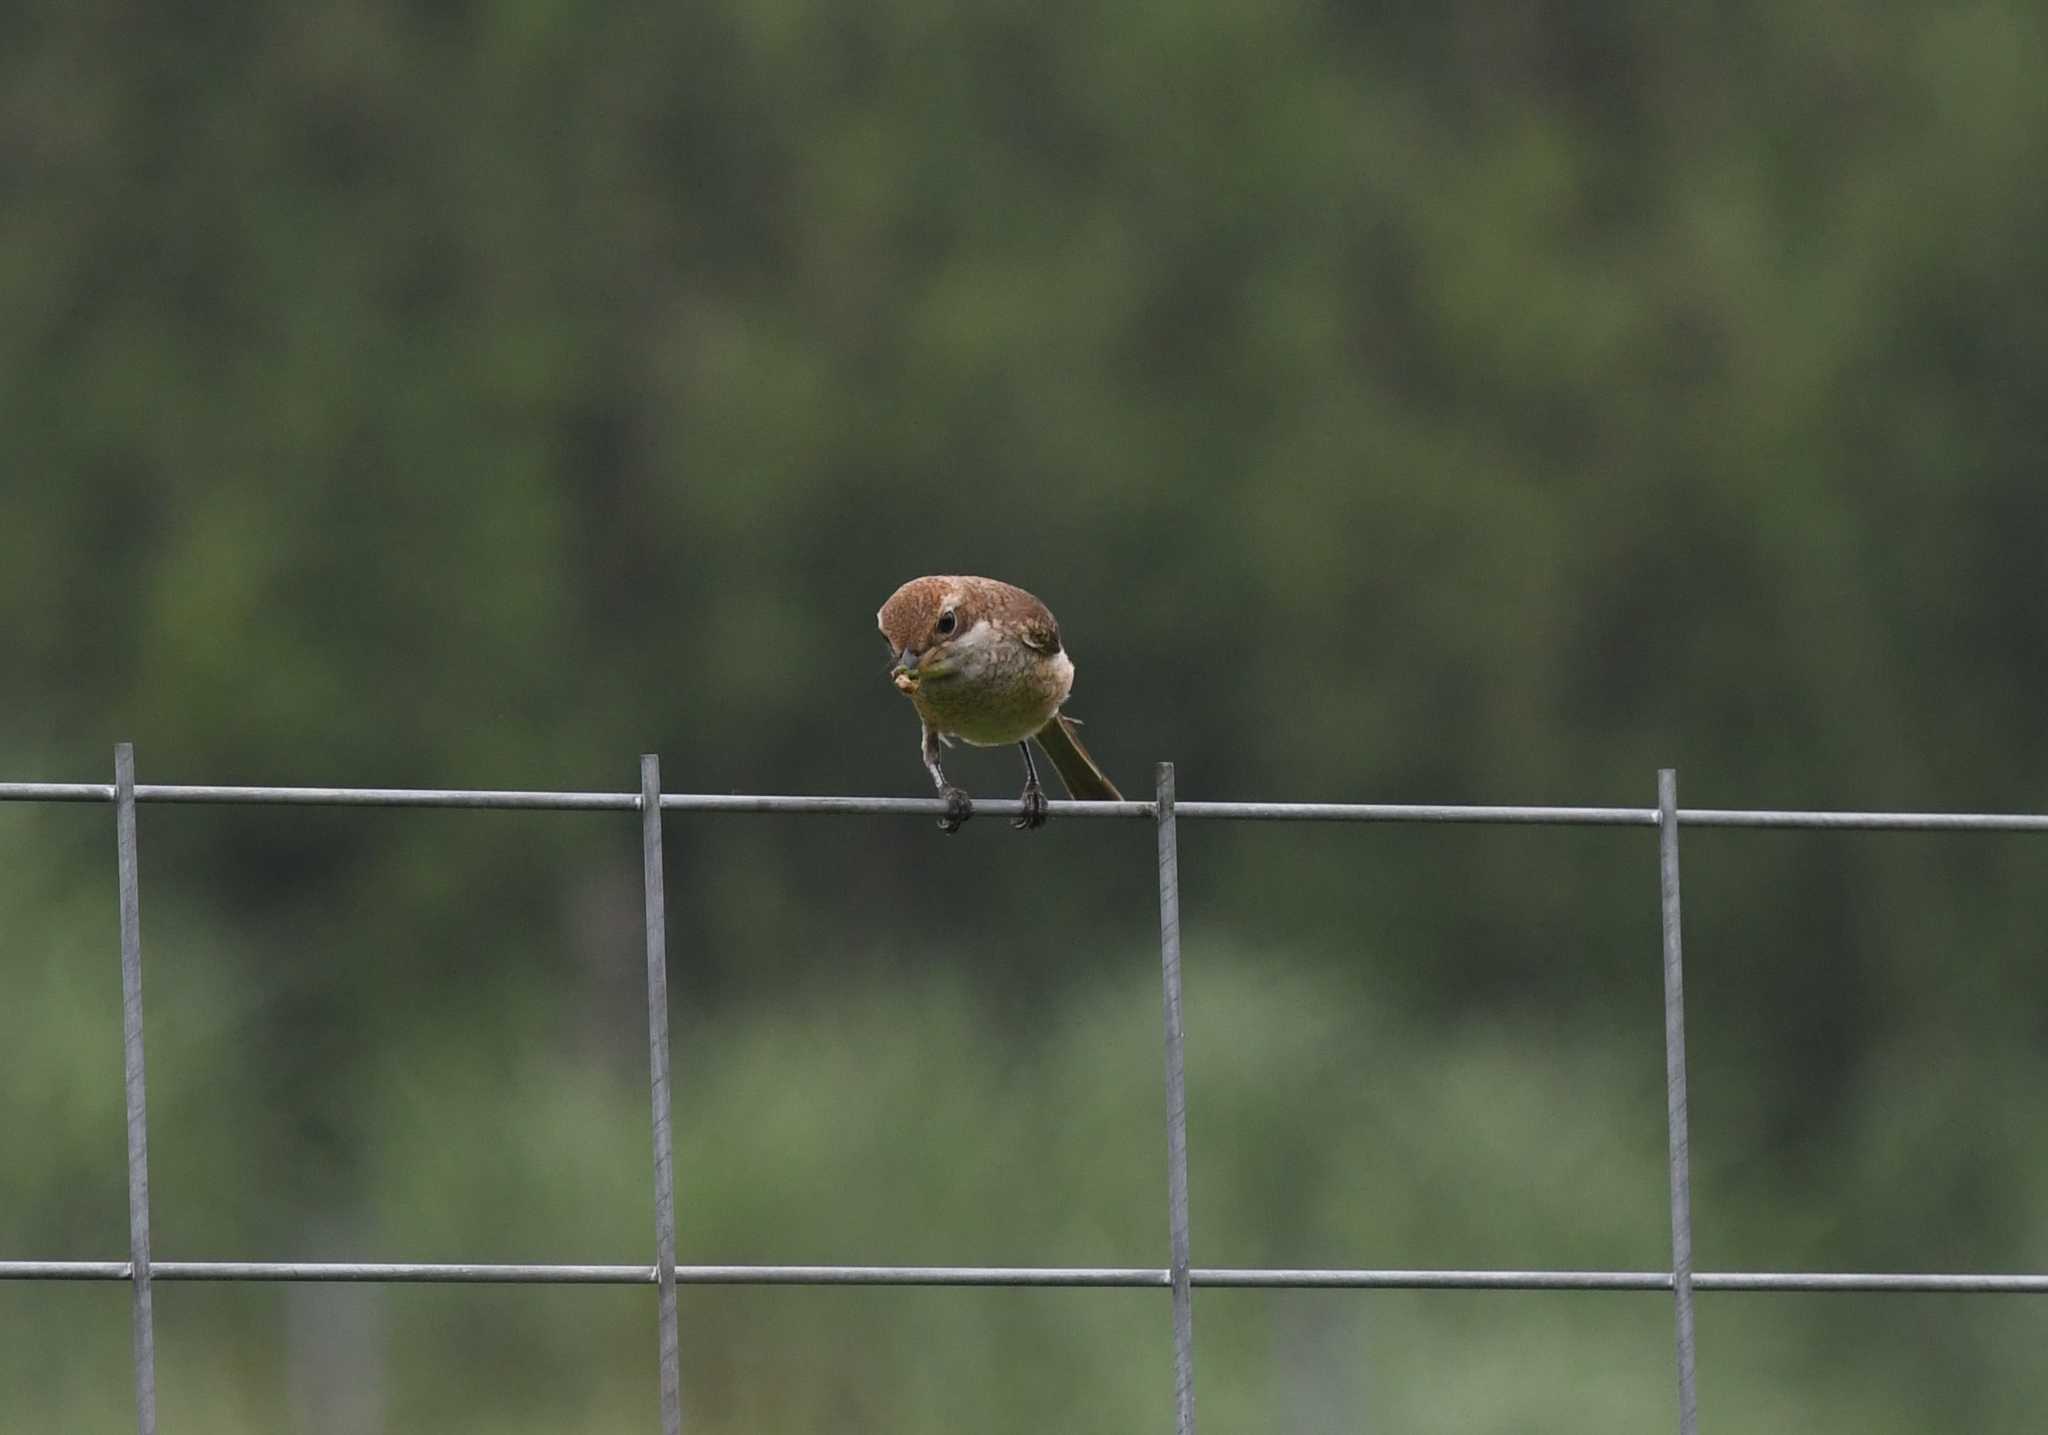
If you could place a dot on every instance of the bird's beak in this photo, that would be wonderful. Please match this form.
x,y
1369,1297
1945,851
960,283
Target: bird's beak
x,y
904,674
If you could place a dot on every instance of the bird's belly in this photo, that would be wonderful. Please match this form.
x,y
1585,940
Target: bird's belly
x,y
988,714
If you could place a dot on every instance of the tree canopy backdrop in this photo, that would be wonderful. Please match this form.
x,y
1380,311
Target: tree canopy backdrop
x,y
1396,403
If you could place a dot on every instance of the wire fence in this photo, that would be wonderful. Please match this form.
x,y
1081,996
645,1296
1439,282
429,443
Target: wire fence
x,y
1180,1277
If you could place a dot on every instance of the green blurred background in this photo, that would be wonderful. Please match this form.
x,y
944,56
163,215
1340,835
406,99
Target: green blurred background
x,y
1431,403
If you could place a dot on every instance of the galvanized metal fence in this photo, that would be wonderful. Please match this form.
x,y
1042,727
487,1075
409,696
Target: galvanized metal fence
x,y
1179,1277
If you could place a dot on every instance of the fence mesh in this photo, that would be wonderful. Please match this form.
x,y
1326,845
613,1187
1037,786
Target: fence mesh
x,y
1180,1277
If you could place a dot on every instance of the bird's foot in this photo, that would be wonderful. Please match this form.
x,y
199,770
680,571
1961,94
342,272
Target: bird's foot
x,y
1033,816
959,807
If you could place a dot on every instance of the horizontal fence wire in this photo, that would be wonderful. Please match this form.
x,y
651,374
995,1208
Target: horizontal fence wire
x,y
666,1274
1391,812
1152,1277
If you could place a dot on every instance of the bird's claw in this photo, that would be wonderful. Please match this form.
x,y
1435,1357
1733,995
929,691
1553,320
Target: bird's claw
x,y
1033,816
959,807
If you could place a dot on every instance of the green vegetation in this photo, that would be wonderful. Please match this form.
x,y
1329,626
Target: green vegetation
x,y
1433,405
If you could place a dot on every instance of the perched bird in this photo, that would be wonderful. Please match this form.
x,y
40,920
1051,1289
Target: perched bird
x,y
982,661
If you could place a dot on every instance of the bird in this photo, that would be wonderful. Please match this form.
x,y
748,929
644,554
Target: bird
x,y
982,661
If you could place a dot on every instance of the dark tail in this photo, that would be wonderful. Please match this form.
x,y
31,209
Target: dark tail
x,y
1085,781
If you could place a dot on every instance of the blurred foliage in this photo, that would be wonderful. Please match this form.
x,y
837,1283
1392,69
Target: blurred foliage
x,y
1426,403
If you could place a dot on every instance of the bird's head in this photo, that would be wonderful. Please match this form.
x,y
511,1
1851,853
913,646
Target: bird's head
x,y
921,622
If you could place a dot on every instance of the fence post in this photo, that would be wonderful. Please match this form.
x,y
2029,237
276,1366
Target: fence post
x,y
131,1056
1176,1106
1674,1098
657,1051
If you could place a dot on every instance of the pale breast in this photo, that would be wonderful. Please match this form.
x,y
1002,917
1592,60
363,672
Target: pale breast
x,y
1000,691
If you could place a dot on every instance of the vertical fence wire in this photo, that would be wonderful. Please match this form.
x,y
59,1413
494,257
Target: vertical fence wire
x,y
1674,1098
1176,1107
131,1058
657,1051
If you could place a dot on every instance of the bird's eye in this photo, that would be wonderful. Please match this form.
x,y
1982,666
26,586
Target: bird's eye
x,y
947,622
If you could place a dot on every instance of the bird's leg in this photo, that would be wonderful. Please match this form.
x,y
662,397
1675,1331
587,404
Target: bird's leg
x,y
959,806
1033,815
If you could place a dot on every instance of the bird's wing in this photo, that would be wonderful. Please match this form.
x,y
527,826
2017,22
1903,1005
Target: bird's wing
x,y
1038,631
